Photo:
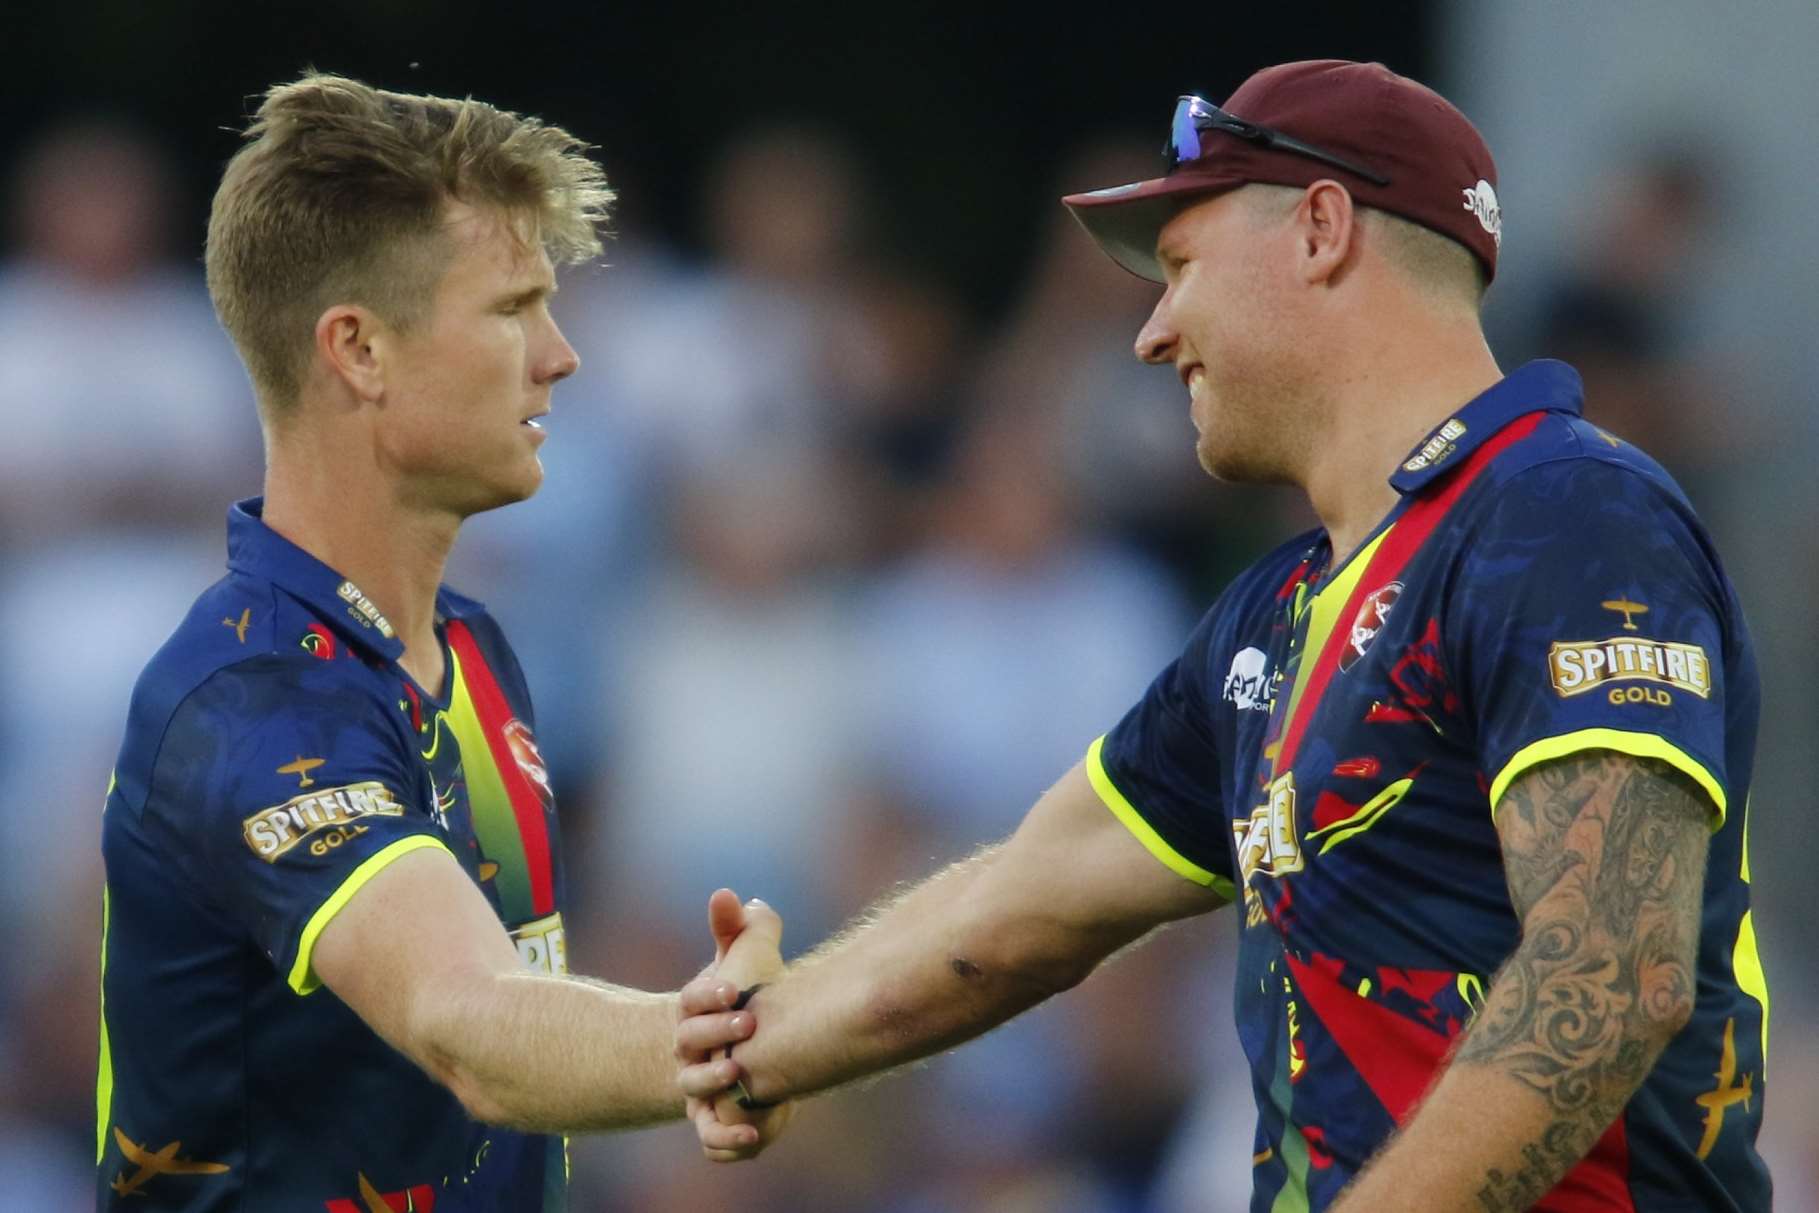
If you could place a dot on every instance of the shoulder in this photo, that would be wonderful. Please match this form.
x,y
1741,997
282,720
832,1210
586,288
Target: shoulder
x,y
1571,462
1575,487
247,667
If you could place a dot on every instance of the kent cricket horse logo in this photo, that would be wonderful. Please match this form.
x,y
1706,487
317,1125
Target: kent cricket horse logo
x,y
153,1163
1372,613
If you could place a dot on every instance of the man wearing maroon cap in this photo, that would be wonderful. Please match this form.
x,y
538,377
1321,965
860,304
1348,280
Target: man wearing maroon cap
x,y
1473,756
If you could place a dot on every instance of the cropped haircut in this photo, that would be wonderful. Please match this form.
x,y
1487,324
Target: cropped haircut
x,y
1441,268
338,196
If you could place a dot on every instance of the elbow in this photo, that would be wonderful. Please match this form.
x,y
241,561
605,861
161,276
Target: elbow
x,y
1668,1003
479,1102
437,1042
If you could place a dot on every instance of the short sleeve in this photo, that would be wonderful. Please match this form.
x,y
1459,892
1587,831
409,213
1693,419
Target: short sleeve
x,y
280,790
1588,613
1158,771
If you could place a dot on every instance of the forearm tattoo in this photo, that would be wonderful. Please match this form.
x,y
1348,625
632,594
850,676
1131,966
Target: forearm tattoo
x,y
1605,859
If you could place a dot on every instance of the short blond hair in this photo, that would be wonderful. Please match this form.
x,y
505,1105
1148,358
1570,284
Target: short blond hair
x,y
338,197
1438,266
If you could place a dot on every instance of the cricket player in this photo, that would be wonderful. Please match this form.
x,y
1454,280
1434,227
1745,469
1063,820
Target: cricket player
x,y
1470,762
334,967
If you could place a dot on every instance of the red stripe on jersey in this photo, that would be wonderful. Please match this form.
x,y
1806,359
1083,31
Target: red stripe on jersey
x,y
495,712
1395,1056
1397,549
1398,1058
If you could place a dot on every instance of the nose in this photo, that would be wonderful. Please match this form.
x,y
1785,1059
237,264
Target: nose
x,y
1157,339
559,361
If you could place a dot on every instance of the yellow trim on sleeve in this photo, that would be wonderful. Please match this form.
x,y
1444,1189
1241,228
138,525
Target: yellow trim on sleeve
x,y
1640,745
302,978
104,1072
1145,833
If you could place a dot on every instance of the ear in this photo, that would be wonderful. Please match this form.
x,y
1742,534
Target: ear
x,y
1327,235
351,342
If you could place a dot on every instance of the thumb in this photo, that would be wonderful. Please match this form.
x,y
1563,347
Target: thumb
x,y
725,918
763,929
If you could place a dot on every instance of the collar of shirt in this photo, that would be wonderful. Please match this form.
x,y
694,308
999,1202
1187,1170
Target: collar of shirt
x,y
255,549
1540,385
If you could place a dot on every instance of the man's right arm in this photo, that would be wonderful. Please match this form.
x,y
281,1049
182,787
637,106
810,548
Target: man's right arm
x,y
419,955
969,948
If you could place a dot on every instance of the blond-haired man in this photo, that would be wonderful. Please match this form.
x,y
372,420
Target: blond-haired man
x,y
330,776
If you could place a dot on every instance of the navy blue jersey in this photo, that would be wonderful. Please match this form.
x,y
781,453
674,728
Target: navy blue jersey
x,y
1330,749
277,758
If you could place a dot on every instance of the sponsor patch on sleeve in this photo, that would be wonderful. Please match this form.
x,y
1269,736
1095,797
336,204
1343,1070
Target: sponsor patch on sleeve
x,y
1578,666
329,816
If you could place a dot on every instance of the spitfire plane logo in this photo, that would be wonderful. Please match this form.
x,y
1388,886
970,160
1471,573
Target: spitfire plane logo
x,y
1372,613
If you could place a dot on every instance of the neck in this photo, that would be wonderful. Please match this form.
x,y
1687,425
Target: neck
x,y
1403,386
392,550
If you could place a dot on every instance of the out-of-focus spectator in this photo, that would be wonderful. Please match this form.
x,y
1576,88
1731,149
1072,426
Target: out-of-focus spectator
x,y
129,427
1127,445
1619,310
124,403
733,711
999,651
733,360
993,657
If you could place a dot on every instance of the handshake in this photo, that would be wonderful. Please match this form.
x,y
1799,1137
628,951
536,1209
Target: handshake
x,y
715,1014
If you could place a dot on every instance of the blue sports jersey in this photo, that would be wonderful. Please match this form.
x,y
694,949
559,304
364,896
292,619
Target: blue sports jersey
x,y
276,758
1331,747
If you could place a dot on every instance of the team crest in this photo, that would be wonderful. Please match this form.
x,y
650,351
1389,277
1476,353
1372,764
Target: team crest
x,y
523,744
1372,614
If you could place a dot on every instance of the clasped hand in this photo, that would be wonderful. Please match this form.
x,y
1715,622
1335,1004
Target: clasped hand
x,y
747,952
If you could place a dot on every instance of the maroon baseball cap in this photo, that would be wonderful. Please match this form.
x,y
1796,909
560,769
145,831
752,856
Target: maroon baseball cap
x,y
1395,144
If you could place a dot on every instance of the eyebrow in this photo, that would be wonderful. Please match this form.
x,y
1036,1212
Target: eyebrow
x,y
543,290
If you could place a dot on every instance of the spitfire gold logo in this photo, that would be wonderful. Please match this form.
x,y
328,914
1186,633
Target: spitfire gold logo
x,y
1372,614
361,607
1438,448
330,817
1579,666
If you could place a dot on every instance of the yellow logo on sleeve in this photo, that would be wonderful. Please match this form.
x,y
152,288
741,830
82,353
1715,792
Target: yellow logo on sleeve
x,y
333,813
1578,666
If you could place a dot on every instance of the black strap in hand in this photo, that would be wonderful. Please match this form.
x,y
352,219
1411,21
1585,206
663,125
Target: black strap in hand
x,y
744,1097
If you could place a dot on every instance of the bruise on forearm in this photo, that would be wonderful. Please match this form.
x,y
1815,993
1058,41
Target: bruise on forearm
x,y
1605,857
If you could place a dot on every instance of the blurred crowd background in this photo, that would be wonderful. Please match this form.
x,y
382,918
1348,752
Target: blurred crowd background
x,y
860,520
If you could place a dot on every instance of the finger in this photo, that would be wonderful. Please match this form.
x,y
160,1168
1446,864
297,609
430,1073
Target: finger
x,y
706,1079
732,1141
725,919
708,994
707,1033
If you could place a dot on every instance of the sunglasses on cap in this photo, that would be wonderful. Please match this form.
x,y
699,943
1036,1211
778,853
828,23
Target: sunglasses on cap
x,y
1195,115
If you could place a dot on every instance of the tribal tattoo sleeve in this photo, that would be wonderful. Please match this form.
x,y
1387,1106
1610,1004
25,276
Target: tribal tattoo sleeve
x,y
1605,858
